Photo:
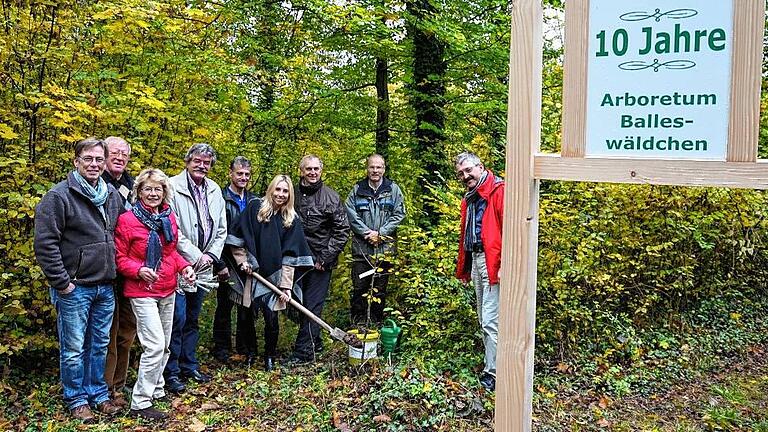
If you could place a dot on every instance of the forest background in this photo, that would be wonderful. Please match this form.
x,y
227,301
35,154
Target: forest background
x,y
639,286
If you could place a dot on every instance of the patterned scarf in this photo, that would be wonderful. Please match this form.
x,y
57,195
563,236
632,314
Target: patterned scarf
x,y
97,195
475,209
156,222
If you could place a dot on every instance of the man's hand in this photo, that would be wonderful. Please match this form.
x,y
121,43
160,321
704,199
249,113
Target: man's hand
x,y
68,289
189,275
204,261
223,274
373,237
147,274
319,266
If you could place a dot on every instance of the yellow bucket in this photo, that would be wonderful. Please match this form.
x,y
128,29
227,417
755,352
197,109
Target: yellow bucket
x,y
368,351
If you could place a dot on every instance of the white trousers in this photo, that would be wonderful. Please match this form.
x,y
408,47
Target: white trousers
x,y
487,309
154,319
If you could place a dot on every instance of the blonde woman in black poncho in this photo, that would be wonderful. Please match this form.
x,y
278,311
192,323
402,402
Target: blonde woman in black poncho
x,y
268,238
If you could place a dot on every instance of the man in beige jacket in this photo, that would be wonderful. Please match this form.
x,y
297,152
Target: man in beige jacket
x,y
199,207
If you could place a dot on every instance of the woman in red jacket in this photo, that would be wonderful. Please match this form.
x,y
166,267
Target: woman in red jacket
x,y
145,241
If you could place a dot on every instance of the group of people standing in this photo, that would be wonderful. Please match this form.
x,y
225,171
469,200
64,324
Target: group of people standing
x,y
127,257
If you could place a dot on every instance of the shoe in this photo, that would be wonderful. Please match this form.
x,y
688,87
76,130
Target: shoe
x,y
250,360
108,407
149,413
297,360
221,357
84,414
197,377
269,364
163,399
119,400
174,385
488,382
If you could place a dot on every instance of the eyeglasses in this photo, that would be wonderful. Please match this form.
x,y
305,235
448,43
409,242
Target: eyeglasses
x,y
466,171
119,153
90,159
149,189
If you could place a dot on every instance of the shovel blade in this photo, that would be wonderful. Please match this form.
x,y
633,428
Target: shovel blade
x,y
347,338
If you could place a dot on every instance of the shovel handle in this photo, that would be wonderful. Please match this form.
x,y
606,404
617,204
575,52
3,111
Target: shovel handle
x,y
293,302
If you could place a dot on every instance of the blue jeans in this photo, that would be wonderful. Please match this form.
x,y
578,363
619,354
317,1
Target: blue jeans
x,y
185,334
84,318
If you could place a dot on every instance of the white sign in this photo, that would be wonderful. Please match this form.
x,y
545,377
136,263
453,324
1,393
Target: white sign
x,y
659,75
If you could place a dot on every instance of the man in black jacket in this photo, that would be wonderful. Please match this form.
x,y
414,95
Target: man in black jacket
x,y
327,230
236,198
123,331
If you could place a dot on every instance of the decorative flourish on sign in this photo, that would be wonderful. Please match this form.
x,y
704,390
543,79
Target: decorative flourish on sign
x,y
636,65
658,15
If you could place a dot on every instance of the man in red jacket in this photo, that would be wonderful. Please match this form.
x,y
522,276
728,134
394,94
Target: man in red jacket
x,y
482,214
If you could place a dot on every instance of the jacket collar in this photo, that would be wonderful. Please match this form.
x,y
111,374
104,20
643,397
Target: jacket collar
x,y
183,184
491,183
227,193
73,185
364,189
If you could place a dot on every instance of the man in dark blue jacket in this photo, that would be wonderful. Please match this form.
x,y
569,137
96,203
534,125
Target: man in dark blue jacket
x,y
236,197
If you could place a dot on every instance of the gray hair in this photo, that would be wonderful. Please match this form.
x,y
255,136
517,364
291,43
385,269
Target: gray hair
x,y
375,156
203,149
308,158
88,144
113,140
240,161
467,156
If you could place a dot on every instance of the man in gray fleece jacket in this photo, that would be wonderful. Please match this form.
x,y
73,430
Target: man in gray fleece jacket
x,y
74,246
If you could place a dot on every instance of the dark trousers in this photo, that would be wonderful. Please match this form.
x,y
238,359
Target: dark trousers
x,y
376,285
314,290
245,333
185,334
271,326
121,337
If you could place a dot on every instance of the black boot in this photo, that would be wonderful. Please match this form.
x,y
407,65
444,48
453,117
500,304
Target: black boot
x,y
269,363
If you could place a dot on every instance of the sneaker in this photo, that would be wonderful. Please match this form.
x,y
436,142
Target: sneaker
x,y
84,414
108,407
196,376
149,413
297,360
174,385
488,382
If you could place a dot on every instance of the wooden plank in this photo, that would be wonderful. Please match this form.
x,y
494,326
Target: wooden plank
x,y
575,78
659,172
517,304
746,67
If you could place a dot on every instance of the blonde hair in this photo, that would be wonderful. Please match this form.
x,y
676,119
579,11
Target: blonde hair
x,y
155,175
267,209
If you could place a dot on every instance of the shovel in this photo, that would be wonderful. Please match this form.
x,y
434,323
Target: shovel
x,y
335,332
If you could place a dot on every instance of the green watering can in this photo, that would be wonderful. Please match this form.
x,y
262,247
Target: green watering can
x,y
390,332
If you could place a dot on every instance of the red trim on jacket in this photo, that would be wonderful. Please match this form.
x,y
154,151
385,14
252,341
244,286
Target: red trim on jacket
x,y
131,250
493,218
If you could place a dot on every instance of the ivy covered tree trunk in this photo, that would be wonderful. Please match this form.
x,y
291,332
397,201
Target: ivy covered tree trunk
x,y
427,97
382,106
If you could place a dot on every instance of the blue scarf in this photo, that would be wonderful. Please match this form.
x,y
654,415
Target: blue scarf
x,y
156,222
97,195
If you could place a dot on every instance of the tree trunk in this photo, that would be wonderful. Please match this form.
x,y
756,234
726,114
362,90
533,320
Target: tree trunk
x,y
382,107
428,101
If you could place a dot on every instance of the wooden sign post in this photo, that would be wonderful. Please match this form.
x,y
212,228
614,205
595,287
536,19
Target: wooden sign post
x,y
664,93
